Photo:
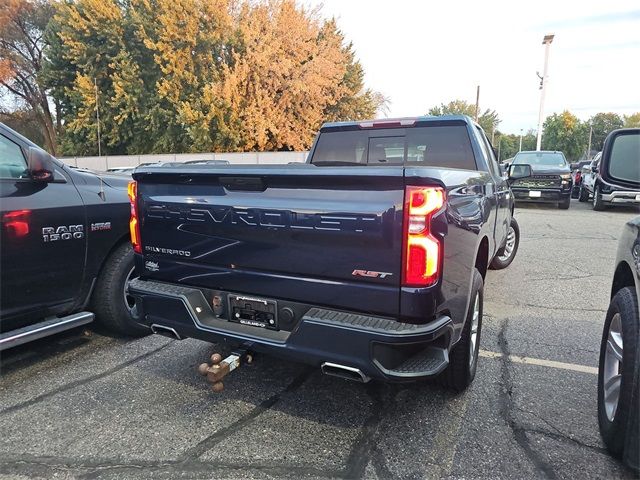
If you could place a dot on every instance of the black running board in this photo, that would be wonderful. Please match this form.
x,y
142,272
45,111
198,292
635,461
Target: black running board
x,y
50,326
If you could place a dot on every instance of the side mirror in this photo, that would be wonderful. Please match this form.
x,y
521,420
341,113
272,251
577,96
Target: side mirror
x,y
620,161
40,165
516,172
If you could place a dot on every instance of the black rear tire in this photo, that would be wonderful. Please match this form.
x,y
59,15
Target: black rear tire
x,y
598,204
614,433
108,300
575,192
499,263
462,362
584,194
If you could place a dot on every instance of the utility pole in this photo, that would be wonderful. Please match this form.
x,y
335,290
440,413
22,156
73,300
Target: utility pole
x,y
520,148
95,85
589,147
546,41
477,103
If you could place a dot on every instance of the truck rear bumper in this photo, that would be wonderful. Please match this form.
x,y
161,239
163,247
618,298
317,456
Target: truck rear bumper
x,y
378,347
628,197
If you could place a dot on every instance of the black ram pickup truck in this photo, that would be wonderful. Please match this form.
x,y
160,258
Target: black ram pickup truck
x,y
64,240
369,261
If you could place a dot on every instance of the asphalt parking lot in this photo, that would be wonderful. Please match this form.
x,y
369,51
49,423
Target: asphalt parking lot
x,y
84,405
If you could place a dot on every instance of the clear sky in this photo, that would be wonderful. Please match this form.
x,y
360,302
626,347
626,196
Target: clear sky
x,y
422,53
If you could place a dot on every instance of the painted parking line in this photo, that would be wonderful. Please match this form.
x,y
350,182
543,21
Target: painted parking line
x,y
541,362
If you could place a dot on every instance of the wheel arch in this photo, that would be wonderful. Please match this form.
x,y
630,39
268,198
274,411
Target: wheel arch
x,y
482,257
623,277
93,272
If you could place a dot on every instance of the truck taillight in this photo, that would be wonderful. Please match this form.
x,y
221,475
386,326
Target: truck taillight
x,y
422,251
134,224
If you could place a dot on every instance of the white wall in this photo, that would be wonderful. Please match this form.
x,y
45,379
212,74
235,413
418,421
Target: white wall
x,y
105,162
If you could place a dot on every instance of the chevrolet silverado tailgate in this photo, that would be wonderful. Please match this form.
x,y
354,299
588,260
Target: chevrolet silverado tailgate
x,y
319,235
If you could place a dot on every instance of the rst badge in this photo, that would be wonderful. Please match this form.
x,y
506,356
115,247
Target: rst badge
x,y
370,274
63,232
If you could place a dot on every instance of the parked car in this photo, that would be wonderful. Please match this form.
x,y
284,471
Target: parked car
x,y
550,181
339,263
65,249
576,176
589,173
619,368
622,186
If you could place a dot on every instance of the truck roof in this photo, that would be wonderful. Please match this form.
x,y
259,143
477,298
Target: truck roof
x,y
394,122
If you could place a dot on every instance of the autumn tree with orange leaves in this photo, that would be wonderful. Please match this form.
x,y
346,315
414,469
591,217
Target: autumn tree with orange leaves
x,y
200,75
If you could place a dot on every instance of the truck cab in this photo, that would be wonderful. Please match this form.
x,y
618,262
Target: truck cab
x,y
61,232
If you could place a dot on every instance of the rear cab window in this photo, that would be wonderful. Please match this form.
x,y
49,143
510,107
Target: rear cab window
x,y
446,146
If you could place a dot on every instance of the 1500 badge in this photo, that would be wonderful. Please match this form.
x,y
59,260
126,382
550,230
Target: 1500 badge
x,y
63,232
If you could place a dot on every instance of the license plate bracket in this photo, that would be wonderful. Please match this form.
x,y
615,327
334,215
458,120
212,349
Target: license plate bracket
x,y
252,311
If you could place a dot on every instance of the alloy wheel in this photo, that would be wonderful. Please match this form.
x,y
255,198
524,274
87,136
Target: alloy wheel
x,y
129,301
509,247
473,334
612,377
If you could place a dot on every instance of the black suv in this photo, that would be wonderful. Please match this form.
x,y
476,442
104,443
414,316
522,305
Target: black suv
x,y
550,181
622,186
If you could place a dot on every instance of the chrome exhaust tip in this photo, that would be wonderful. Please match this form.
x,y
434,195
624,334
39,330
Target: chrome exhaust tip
x,y
342,371
165,331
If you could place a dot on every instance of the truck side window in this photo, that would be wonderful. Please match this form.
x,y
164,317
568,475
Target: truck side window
x,y
488,153
12,162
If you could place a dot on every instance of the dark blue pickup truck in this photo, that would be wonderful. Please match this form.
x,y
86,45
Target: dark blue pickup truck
x,y
368,261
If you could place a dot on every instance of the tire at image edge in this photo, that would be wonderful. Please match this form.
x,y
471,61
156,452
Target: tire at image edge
x,y
614,432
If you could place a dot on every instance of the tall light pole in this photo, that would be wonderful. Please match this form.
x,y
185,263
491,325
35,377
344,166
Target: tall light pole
x,y
589,147
543,82
95,86
520,148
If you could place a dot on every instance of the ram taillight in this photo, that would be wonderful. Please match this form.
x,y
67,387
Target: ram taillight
x,y
134,223
422,250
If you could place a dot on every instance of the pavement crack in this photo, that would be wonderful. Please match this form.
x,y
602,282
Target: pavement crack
x,y
45,466
563,437
507,406
83,381
365,445
218,436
